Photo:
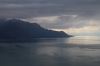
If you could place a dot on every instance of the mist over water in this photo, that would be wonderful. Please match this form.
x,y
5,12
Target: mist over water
x,y
74,51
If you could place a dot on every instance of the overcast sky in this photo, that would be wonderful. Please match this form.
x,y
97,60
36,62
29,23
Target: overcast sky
x,y
76,17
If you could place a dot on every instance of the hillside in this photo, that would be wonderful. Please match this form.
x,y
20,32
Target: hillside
x,y
14,29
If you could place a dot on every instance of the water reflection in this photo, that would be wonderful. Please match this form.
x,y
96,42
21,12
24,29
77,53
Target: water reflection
x,y
84,40
75,51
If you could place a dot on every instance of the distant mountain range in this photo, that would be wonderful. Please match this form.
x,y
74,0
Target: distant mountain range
x,y
18,29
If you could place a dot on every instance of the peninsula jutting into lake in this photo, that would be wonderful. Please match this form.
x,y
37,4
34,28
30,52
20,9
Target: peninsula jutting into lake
x,y
15,29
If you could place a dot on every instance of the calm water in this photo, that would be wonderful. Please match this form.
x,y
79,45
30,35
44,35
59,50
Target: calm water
x,y
74,51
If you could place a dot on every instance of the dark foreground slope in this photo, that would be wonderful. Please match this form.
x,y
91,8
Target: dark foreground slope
x,y
15,29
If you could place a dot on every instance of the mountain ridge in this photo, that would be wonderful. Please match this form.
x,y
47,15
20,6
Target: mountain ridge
x,y
15,29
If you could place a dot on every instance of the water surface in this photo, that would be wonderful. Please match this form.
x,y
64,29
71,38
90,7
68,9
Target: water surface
x,y
74,51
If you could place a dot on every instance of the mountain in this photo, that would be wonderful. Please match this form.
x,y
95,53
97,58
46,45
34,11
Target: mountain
x,y
15,29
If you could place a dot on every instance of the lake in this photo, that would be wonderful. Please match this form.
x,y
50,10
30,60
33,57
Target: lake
x,y
73,51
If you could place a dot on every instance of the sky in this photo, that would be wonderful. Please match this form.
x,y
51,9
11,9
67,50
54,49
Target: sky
x,y
75,17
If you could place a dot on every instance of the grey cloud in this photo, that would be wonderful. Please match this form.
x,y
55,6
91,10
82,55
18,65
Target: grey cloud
x,y
23,9
65,22
61,22
83,7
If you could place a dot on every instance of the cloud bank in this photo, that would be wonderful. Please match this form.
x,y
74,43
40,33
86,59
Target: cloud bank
x,y
54,14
